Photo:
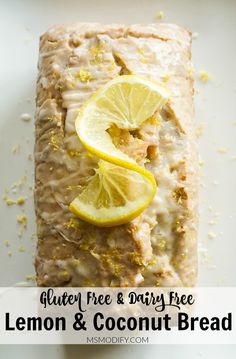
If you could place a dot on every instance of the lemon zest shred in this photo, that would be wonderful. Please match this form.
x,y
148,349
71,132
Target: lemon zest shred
x,y
141,50
54,142
21,249
84,75
84,246
72,224
97,52
20,200
9,201
160,15
136,258
162,244
204,76
166,77
111,66
22,219
73,153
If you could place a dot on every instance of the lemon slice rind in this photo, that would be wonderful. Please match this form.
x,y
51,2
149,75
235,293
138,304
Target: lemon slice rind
x,y
98,141
84,205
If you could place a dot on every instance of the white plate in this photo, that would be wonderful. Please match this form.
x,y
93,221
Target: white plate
x,y
214,50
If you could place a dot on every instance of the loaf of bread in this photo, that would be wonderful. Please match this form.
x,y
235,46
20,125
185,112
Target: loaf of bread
x,y
159,247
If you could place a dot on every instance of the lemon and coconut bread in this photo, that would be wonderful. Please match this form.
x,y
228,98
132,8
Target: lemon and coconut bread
x,y
115,157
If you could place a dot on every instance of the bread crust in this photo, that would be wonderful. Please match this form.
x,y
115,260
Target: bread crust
x,y
71,252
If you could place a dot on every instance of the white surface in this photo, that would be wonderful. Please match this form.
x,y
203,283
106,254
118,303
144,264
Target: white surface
x,y
214,50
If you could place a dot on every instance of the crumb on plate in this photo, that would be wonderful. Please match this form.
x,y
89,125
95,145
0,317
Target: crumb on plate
x,y
212,222
222,149
200,129
211,235
195,35
25,117
16,148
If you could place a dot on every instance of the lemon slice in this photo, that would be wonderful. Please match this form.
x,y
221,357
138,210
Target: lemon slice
x,y
113,196
126,101
120,189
